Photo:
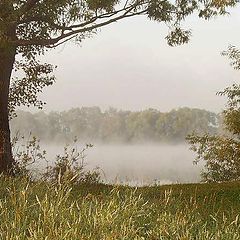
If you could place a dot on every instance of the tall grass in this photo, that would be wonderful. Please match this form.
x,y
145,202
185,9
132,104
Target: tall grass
x,y
39,210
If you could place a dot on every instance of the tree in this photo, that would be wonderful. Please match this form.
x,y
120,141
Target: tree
x,y
177,124
28,28
221,153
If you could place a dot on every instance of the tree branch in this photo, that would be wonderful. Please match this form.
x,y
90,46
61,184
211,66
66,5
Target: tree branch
x,y
71,27
81,28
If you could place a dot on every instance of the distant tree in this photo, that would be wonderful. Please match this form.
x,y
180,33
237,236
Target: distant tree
x,y
175,125
112,125
29,27
141,125
221,153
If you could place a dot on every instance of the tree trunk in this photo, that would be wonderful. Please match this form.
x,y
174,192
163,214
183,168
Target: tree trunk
x,y
7,58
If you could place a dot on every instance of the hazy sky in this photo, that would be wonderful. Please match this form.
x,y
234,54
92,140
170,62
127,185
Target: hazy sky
x,y
129,65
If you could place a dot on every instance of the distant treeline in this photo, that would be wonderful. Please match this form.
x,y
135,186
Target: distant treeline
x,y
112,125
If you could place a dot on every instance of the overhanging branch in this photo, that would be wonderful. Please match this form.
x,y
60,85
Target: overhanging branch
x,y
52,42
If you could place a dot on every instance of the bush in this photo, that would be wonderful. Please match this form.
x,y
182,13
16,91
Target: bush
x,y
221,153
68,167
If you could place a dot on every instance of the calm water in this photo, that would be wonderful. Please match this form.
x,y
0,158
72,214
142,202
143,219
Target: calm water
x,y
139,164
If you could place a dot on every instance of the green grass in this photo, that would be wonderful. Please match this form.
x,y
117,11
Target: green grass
x,y
190,211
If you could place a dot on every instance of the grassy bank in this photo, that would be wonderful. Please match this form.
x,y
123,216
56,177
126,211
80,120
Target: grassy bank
x,y
190,211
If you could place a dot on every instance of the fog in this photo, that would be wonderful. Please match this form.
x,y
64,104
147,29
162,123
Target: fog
x,y
129,66
142,164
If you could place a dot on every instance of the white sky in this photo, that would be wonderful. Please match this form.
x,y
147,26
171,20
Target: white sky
x,y
129,66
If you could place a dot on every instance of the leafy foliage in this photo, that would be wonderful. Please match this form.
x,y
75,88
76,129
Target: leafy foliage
x,y
24,91
221,156
233,53
26,152
221,153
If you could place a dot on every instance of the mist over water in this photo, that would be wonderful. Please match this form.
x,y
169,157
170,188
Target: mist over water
x,y
129,147
141,164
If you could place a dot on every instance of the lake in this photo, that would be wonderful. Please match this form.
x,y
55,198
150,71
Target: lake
x,y
139,164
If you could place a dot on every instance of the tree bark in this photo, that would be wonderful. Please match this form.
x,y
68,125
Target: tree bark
x,y
7,58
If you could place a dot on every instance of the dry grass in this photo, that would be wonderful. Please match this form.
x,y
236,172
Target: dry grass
x,y
46,211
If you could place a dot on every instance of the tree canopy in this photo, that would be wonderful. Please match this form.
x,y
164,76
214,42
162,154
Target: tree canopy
x,y
48,23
